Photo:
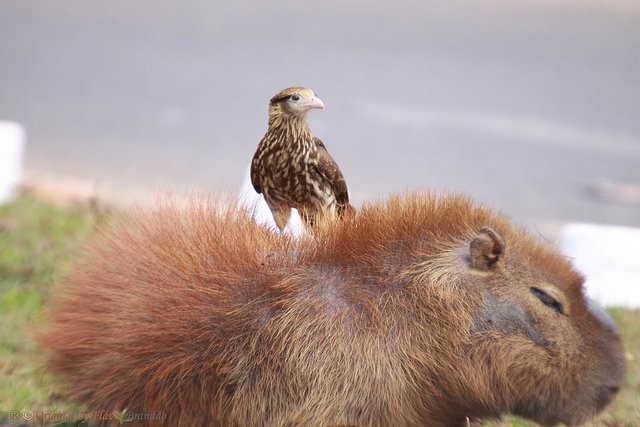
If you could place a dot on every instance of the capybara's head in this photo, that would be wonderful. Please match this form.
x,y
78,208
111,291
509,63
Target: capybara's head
x,y
557,355
420,310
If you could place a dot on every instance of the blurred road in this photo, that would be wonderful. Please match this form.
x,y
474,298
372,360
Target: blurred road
x,y
531,106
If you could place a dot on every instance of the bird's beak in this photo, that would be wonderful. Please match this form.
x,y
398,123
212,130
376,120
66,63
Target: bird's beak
x,y
313,102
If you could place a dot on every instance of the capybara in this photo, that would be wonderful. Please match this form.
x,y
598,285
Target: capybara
x,y
420,310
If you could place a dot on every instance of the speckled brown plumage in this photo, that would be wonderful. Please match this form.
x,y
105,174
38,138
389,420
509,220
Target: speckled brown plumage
x,y
292,168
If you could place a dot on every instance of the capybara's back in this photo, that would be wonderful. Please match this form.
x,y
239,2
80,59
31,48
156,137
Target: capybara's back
x,y
420,310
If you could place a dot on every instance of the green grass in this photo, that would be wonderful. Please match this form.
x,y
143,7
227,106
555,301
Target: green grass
x,y
36,239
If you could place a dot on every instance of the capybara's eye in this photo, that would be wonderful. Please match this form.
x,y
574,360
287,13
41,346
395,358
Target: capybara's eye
x,y
547,300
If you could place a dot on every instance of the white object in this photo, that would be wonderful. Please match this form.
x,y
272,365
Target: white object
x,y
12,139
609,257
256,204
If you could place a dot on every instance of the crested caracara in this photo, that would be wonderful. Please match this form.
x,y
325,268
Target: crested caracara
x,y
292,168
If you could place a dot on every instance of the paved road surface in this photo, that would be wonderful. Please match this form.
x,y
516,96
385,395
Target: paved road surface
x,y
532,106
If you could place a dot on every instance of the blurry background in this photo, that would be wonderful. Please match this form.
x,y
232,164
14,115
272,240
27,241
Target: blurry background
x,y
531,106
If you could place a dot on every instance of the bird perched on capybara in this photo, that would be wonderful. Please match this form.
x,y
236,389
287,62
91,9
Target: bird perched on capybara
x,y
417,311
292,168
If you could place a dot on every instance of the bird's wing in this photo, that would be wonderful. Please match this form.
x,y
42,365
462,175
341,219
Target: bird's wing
x,y
255,174
328,168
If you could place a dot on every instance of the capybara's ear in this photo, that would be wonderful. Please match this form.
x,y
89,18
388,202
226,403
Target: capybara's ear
x,y
486,249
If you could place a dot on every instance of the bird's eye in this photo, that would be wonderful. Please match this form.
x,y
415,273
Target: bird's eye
x,y
547,300
295,97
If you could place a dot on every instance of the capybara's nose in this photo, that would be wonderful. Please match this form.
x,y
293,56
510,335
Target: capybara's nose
x,y
613,390
606,394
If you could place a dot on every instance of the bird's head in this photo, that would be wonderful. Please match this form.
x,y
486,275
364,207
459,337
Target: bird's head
x,y
293,103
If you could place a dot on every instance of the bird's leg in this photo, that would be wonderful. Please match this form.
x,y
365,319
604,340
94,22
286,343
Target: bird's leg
x,y
281,215
308,218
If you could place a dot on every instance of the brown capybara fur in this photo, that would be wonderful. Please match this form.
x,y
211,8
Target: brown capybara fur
x,y
417,311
